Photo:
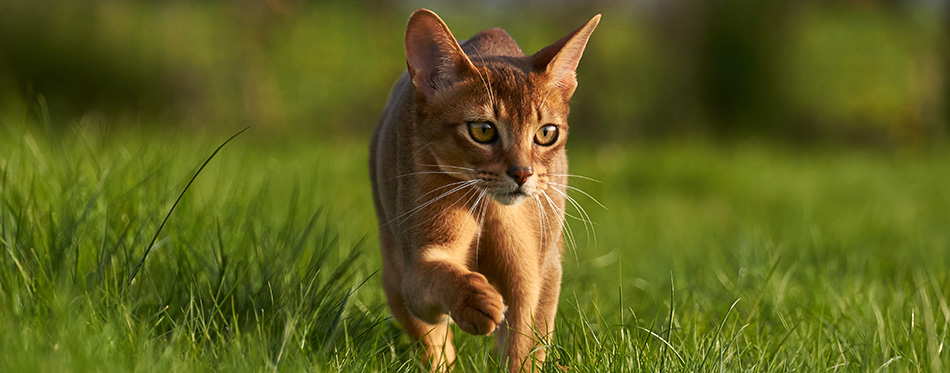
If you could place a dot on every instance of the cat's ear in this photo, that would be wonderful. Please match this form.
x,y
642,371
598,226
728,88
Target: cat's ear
x,y
559,60
434,57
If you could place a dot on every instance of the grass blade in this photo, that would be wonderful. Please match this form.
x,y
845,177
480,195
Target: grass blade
x,y
148,248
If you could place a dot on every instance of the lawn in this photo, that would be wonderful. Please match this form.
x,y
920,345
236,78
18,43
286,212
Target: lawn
x,y
708,256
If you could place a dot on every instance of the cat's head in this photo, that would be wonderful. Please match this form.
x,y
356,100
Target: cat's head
x,y
498,117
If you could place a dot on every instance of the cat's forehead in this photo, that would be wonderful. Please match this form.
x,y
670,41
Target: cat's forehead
x,y
515,92
505,69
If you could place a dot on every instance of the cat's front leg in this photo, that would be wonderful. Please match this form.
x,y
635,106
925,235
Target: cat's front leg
x,y
521,332
438,286
532,296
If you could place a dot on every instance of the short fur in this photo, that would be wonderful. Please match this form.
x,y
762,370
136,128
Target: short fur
x,y
467,229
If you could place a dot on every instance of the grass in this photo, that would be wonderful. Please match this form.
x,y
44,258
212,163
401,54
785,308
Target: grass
x,y
746,256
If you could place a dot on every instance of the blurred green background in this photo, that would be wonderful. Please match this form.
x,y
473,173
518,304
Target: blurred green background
x,y
774,174
868,72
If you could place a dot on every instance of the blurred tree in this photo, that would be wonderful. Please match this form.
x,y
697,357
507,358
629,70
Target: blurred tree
x,y
262,100
67,52
740,51
839,70
945,62
678,28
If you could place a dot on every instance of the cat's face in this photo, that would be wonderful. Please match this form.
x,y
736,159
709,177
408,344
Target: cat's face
x,y
506,133
497,122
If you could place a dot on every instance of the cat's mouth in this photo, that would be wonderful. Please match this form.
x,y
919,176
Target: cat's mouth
x,y
511,197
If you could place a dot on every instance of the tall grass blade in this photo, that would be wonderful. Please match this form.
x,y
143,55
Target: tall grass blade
x,y
148,248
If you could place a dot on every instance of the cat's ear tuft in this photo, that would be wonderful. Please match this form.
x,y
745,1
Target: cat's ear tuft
x,y
559,60
434,57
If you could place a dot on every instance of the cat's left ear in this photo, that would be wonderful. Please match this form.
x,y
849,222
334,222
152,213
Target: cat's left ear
x,y
434,57
559,60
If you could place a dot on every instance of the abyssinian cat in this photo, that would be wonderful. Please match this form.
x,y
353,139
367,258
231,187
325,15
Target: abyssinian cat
x,y
469,178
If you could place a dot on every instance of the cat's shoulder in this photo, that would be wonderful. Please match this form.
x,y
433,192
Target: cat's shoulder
x,y
492,42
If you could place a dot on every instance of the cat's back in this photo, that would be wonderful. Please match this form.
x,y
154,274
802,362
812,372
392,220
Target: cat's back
x,y
384,146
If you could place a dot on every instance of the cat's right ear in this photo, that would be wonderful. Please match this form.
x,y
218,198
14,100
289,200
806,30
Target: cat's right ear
x,y
560,59
434,57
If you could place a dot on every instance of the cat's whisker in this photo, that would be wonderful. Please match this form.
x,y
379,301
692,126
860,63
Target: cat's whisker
x,y
431,172
471,209
415,210
469,199
542,219
584,217
449,166
481,223
421,148
577,206
580,191
435,190
568,232
434,216
580,209
578,176
479,193
564,211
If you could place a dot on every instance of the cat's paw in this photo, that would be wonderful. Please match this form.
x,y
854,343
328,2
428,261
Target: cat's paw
x,y
478,308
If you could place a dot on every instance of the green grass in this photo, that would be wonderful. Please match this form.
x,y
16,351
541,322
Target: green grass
x,y
741,257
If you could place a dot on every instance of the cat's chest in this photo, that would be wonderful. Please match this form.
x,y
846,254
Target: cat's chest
x,y
515,236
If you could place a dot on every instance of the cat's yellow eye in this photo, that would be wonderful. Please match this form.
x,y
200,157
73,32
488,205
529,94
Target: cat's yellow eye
x,y
546,135
482,132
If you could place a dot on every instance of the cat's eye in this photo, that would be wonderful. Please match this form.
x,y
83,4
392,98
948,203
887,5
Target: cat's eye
x,y
482,132
546,135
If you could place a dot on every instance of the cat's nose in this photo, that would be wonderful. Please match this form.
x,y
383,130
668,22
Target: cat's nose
x,y
520,174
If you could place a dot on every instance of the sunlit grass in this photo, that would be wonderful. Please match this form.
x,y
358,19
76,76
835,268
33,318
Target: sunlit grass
x,y
742,257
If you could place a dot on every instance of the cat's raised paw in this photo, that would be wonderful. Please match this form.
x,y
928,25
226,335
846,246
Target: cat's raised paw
x,y
478,309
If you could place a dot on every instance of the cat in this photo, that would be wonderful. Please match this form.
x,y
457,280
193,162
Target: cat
x,y
469,177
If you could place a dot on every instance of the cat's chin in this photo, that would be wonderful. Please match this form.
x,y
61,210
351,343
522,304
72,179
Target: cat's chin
x,y
510,198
